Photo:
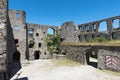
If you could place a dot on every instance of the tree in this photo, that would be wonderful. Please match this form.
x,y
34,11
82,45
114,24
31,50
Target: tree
x,y
53,42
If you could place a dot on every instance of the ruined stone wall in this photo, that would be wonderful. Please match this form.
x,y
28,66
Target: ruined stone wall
x,y
68,32
92,29
18,33
3,37
39,37
78,53
84,32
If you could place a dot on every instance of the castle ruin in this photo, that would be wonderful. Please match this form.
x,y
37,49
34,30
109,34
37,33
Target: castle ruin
x,y
14,38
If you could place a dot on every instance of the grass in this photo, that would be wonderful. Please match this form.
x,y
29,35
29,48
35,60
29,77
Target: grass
x,y
65,62
108,43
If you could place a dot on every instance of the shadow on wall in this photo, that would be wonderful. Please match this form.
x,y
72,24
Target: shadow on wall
x,y
13,58
16,65
24,78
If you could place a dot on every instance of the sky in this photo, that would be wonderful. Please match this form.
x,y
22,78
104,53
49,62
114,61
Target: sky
x,y
56,12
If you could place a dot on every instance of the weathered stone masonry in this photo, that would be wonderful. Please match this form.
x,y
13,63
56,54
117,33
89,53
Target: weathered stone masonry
x,y
3,37
92,29
84,32
39,35
14,40
79,53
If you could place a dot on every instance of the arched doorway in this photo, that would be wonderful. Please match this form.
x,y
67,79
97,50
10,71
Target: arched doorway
x,y
37,55
16,56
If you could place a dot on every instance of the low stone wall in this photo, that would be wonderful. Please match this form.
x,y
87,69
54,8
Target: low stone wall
x,y
76,53
108,56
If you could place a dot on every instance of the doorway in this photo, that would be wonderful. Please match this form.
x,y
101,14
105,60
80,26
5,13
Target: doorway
x,y
92,58
37,55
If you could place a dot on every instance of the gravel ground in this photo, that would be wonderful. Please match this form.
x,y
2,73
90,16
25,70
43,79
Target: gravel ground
x,y
48,70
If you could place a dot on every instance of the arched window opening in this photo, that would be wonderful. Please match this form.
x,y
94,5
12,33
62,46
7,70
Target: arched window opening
x,y
116,24
87,28
103,27
80,28
50,31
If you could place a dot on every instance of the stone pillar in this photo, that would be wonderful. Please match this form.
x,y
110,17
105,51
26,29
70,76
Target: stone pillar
x,y
110,27
97,27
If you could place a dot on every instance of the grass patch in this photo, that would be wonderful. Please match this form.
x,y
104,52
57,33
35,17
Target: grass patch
x,y
65,62
112,73
107,43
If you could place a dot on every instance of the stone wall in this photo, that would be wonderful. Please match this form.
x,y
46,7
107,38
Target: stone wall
x,y
84,32
68,32
39,37
17,35
110,52
3,38
92,29
79,53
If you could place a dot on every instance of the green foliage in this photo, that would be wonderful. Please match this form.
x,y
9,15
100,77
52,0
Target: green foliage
x,y
99,39
31,43
53,43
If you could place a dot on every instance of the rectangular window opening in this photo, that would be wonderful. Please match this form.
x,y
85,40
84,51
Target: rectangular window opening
x,y
39,44
17,15
37,34
16,41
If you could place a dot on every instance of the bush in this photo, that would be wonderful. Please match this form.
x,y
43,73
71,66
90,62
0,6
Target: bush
x,y
31,43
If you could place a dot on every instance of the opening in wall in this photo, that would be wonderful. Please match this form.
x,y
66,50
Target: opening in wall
x,y
87,28
92,59
16,41
50,31
30,32
103,27
37,34
17,15
116,24
39,45
16,27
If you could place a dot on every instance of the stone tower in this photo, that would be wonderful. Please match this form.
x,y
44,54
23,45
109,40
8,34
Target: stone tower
x,y
3,37
68,32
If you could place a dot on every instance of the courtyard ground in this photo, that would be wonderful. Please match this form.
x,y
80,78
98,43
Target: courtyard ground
x,y
63,70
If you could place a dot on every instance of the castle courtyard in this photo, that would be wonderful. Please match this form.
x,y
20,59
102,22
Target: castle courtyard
x,y
62,70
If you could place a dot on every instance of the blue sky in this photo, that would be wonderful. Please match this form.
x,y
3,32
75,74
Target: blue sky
x,y
55,12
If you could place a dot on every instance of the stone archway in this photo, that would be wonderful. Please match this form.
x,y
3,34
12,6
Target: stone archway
x,y
37,55
51,31
16,56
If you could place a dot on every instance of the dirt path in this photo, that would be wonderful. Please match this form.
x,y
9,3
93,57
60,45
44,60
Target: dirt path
x,y
53,70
